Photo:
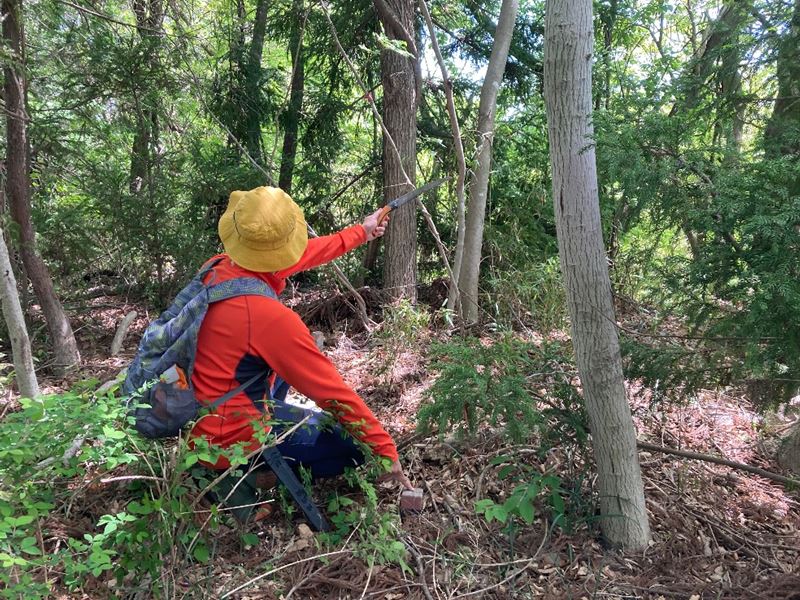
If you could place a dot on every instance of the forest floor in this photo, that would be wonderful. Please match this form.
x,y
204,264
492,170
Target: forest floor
x,y
717,532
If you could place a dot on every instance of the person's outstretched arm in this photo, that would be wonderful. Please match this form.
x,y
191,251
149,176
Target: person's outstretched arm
x,y
326,248
287,346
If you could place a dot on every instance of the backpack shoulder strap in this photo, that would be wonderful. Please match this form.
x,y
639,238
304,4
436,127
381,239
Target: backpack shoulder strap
x,y
207,267
240,286
223,399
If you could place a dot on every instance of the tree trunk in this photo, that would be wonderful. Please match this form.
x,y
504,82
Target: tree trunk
x,y
716,39
18,189
292,116
789,454
149,16
782,134
15,322
568,99
453,299
469,270
252,84
398,76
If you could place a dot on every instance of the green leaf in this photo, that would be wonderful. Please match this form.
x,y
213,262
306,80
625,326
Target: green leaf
x,y
201,553
526,511
23,520
6,560
28,546
250,539
505,471
557,502
113,434
498,512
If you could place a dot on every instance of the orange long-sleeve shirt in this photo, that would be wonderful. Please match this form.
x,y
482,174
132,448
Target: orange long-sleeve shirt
x,y
244,336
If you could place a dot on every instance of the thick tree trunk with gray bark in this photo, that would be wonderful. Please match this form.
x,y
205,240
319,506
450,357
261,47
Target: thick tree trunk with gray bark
x,y
567,84
469,269
15,323
18,190
399,82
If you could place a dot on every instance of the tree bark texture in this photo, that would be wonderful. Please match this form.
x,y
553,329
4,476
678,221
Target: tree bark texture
x,y
568,98
399,172
789,453
453,299
149,17
716,40
782,135
469,270
252,84
18,190
15,322
291,122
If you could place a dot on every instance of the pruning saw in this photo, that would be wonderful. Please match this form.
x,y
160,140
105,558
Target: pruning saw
x,y
405,198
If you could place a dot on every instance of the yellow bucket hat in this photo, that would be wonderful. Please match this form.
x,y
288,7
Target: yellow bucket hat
x,y
263,230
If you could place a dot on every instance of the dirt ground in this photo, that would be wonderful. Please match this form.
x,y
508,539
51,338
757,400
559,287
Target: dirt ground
x,y
717,532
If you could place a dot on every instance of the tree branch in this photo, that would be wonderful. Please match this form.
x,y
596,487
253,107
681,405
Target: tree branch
x,y
719,461
387,15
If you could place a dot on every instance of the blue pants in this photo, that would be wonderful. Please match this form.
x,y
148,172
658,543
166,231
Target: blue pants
x,y
321,446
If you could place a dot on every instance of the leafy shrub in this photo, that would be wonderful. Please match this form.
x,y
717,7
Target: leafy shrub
x,y
499,383
403,325
152,528
531,485
373,534
404,328
481,382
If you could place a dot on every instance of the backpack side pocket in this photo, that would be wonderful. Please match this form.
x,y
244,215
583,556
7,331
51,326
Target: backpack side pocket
x,y
168,409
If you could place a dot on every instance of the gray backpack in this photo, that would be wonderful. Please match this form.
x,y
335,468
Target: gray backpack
x,y
157,401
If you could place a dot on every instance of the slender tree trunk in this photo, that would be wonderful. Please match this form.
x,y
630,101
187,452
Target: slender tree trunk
x,y
782,138
453,299
608,18
716,38
478,190
15,322
293,111
149,16
18,189
732,103
252,84
398,76
568,98
782,134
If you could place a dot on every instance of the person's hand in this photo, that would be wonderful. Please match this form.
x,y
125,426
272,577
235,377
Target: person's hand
x,y
371,226
396,474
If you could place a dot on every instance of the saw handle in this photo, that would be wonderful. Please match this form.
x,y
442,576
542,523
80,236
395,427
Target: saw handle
x,y
383,214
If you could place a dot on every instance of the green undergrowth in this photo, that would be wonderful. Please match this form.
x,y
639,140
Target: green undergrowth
x,y
89,506
527,392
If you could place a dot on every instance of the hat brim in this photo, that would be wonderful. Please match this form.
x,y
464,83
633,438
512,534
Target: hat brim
x,y
263,261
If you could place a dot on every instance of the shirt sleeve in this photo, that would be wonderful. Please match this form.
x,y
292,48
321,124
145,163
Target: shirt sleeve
x,y
287,346
324,249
